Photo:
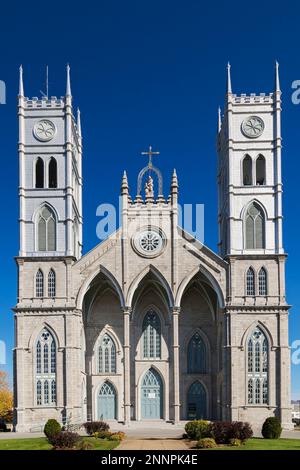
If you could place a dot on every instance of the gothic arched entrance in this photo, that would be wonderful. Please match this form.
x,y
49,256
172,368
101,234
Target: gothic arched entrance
x,y
196,402
107,402
151,396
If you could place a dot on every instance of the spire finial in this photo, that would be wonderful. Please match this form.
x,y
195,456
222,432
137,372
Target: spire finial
x,y
228,88
219,119
277,82
68,88
21,86
174,182
124,186
78,122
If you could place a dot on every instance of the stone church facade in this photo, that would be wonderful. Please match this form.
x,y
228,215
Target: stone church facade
x,y
151,324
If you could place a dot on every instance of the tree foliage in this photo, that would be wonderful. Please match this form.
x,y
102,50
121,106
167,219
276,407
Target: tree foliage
x,y
6,398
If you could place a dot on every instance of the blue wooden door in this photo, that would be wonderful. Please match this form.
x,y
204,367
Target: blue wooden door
x,y
151,396
107,402
197,402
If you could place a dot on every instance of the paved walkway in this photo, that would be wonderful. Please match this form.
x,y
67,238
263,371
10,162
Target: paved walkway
x,y
153,444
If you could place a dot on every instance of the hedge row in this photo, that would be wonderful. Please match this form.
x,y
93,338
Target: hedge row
x,y
221,431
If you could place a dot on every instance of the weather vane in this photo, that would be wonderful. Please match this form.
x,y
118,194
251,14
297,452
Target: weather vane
x,y
150,153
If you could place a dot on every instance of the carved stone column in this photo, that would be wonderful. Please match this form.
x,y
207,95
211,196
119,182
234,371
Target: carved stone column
x,y
175,315
126,348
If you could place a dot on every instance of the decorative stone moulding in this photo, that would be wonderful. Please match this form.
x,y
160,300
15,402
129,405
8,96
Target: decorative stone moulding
x,y
44,130
253,127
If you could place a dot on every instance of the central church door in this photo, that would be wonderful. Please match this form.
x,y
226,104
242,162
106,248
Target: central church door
x,y
151,396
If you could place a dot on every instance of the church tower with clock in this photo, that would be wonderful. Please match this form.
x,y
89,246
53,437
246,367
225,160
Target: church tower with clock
x,y
249,147
50,224
50,152
151,325
250,240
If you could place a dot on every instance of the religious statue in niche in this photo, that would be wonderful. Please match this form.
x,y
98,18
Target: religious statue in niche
x,y
149,192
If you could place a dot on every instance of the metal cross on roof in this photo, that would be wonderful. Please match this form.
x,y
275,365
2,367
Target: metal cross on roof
x,y
150,153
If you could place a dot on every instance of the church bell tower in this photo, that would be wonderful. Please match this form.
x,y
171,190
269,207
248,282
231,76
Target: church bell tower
x,y
250,240
249,175
50,154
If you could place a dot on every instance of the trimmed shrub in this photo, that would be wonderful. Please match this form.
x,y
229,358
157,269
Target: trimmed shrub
x,y
271,428
198,429
241,431
85,445
117,436
52,427
224,431
235,442
206,443
102,434
114,437
72,427
64,440
95,426
221,431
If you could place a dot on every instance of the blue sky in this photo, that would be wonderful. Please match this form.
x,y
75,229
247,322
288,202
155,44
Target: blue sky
x,y
148,72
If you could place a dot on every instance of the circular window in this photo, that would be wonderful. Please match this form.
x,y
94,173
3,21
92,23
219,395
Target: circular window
x,y
149,242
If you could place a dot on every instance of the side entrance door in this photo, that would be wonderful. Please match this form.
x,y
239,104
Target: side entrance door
x,y
107,402
196,402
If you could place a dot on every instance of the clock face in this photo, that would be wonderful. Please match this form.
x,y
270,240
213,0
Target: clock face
x,y
44,130
253,126
149,242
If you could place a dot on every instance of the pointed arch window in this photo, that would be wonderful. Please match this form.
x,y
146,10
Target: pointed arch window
x,y
52,170
250,391
46,392
261,171
39,284
107,389
46,230
53,391
45,370
38,358
51,284
53,358
39,392
151,336
257,368
255,227
247,171
250,282
46,358
107,356
39,173
197,361
262,282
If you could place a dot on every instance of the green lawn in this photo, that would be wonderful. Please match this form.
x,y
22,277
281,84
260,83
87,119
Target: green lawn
x,y
266,444
41,443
